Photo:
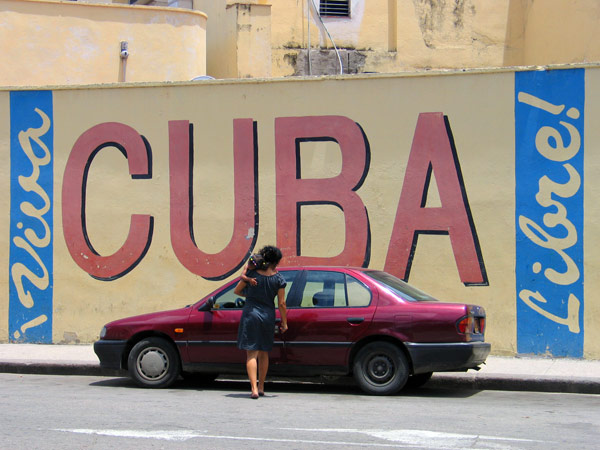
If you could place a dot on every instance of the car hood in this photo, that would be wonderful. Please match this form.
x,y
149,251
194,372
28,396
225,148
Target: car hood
x,y
173,314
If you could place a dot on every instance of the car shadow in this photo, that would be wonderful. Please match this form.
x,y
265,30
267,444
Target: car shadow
x,y
238,388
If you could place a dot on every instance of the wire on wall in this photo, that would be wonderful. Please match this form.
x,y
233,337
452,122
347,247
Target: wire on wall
x,y
337,52
308,52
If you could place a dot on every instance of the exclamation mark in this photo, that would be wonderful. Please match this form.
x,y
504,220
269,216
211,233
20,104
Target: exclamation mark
x,y
32,323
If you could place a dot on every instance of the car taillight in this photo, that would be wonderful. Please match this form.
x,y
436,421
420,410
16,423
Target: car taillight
x,y
465,325
471,325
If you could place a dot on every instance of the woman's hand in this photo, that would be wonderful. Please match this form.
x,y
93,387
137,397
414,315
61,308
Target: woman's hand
x,y
283,328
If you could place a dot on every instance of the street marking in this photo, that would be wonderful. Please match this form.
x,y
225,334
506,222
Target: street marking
x,y
424,438
418,439
167,435
181,435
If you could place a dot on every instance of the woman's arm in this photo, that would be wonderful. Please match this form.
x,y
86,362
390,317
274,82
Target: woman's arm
x,y
240,288
282,309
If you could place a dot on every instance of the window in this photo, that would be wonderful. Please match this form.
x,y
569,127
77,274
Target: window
x,y
399,287
334,8
227,299
289,276
358,293
324,289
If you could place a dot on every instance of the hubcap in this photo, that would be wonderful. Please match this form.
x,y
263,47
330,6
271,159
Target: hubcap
x,y
152,364
380,369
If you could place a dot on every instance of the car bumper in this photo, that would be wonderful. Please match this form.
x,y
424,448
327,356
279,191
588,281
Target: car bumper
x,y
453,357
110,353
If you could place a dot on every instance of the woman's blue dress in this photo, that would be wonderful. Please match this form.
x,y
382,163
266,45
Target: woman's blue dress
x,y
257,324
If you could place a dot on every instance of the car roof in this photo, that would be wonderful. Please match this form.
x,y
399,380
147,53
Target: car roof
x,y
334,268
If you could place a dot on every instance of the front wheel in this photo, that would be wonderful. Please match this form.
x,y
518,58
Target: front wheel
x,y
153,362
381,368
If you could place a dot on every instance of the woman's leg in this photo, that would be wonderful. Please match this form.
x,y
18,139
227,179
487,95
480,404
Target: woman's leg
x,y
263,368
251,363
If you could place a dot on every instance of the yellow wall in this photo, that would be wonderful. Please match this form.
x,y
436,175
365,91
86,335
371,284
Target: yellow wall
x,y
79,42
562,32
51,43
396,36
239,38
480,109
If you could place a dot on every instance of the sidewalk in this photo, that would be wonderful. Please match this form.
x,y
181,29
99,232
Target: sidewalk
x,y
499,373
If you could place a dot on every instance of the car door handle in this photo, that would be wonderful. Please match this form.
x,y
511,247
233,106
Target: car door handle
x,y
355,320
277,322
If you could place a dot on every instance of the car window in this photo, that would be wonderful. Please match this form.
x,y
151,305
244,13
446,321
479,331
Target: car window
x,y
358,293
227,299
290,277
325,289
404,290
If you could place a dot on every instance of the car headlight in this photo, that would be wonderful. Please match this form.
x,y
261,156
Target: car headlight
x,y
103,333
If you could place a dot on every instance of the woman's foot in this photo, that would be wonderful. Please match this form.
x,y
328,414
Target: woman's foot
x,y
261,393
254,396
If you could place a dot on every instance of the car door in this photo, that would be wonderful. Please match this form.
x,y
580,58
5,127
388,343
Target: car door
x,y
212,335
330,310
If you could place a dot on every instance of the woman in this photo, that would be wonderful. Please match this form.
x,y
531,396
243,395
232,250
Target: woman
x,y
257,325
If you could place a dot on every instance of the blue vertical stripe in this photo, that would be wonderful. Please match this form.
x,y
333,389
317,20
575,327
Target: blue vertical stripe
x,y
549,132
31,216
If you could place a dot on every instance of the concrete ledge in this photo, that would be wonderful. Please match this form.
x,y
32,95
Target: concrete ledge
x,y
49,368
514,383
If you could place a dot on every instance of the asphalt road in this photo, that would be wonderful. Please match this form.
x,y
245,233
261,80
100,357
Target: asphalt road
x,y
78,412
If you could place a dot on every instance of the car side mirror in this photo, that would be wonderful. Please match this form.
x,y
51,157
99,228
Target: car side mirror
x,y
208,305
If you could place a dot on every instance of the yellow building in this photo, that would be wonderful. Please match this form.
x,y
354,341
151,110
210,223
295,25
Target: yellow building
x,y
387,36
396,35
72,43
79,42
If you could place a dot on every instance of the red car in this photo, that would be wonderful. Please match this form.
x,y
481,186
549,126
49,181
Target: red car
x,y
341,321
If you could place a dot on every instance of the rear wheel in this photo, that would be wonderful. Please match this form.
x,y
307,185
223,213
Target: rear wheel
x,y
153,362
381,368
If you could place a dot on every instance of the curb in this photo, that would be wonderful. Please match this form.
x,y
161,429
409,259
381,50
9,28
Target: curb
x,y
514,383
45,368
438,381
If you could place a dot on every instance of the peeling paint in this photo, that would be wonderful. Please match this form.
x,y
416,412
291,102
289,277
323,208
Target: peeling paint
x,y
434,15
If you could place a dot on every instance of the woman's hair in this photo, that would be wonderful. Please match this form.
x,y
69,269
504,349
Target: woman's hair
x,y
271,254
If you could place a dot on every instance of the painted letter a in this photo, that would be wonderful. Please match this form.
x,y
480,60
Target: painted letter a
x,y
433,153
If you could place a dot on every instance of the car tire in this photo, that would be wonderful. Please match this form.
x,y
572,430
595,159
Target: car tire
x,y
153,363
380,368
416,381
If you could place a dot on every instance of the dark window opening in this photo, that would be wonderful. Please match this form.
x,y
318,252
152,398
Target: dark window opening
x,y
334,8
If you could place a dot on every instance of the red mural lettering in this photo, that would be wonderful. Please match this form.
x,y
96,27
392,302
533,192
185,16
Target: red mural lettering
x,y
245,156
138,155
433,151
293,191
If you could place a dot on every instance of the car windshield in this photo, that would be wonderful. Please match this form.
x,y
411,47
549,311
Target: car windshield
x,y
404,290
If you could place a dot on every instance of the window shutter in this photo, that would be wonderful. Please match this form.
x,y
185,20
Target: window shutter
x,y
334,7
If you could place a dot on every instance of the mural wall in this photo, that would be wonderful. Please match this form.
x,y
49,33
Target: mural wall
x,y
474,187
